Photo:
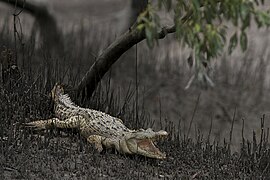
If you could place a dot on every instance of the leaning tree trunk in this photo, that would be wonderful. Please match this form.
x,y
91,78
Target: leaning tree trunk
x,y
110,55
90,81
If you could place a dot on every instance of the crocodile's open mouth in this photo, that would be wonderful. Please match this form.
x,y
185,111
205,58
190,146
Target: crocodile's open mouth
x,y
149,149
143,142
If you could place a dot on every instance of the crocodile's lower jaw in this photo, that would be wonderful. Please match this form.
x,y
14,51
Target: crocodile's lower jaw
x,y
147,148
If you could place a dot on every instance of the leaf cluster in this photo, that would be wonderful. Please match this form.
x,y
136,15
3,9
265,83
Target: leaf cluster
x,y
149,22
202,25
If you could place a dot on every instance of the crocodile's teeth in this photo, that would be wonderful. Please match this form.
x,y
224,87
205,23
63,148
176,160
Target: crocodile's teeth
x,y
159,137
149,148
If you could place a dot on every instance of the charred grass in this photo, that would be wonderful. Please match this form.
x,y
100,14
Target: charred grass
x,y
211,134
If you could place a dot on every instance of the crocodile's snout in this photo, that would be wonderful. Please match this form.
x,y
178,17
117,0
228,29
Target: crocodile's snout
x,y
143,143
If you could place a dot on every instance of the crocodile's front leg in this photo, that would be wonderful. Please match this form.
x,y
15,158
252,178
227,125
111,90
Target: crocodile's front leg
x,y
72,122
100,141
97,141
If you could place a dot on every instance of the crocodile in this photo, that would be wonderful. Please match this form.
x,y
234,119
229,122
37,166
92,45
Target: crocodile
x,y
99,128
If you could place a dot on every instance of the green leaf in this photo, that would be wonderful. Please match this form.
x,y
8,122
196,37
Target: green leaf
x,y
140,27
246,22
233,43
149,37
243,41
244,11
259,23
196,4
262,18
197,28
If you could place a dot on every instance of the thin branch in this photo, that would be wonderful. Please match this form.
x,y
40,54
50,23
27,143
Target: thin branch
x,y
51,36
30,7
193,114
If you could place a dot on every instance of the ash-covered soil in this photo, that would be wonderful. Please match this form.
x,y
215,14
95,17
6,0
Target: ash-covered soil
x,y
55,154
71,158
58,155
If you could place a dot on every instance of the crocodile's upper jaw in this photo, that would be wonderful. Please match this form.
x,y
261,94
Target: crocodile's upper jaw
x,y
143,143
147,148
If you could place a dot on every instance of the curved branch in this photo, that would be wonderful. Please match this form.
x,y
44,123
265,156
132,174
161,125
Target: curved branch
x,y
110,55
51,37
30,7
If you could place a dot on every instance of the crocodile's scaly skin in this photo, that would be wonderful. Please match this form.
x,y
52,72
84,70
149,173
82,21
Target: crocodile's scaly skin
x,y
100,128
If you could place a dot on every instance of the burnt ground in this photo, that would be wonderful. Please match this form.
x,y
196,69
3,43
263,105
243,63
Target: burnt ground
x,y
56,157
69,158
56,154
241,85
